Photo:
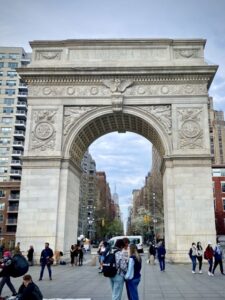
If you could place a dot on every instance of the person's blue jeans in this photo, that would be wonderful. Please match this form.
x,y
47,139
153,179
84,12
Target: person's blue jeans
x,y
132,288
210,261
49,270
162,263
117,283
193,259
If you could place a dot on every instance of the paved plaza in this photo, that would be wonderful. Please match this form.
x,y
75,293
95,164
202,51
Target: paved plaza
x,y
85,283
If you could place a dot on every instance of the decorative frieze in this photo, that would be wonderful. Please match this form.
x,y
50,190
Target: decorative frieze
x,y
72,114
48,54
43,134
190,128
186,53
127,88
162,113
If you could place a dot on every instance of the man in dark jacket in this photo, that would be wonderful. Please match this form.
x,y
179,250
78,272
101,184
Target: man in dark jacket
x,y
161,251
46,259
29,290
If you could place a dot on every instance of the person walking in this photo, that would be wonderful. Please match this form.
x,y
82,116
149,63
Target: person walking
x,y
218,255
208,255
199,256
193,256
72,255
6,261
117,282
152,253
161,252
133,275
29,290
81,255
104,249
46,259
30,256
17,249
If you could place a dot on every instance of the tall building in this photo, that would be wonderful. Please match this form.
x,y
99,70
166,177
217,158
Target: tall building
x,y
88,194
13,116
217,134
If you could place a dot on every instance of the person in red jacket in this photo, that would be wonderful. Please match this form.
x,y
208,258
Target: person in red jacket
x,y
208,254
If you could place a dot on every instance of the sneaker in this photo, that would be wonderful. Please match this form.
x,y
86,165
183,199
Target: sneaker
x,y
193,272
209,273
40,279
50,278
212,274
200,272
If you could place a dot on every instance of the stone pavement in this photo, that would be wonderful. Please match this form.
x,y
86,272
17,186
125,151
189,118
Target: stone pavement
x,y
85,283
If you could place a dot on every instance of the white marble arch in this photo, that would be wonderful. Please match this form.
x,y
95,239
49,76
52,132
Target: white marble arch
x,y
156,88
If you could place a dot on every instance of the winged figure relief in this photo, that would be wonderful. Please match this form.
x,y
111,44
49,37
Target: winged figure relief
x,y
117,85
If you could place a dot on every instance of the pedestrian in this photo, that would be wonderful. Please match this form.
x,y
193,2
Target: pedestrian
x,y
117,282
193,256
104,250
126,248
29,290
6,261
46,259
76,253
161,252
218,255
72,255
81,255
152,253
17,249
208,255
199,256
30,256
133,275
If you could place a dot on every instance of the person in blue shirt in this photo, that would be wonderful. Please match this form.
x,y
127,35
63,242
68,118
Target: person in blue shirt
x,y
46,259
161,253
133,275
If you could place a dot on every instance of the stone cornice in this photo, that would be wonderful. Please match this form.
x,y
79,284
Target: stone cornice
x,y
48,76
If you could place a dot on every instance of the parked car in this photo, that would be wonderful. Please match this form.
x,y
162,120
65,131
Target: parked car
x,y
134,239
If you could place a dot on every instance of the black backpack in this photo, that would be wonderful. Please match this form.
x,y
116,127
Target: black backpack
x,y
17,266
109,265
37,293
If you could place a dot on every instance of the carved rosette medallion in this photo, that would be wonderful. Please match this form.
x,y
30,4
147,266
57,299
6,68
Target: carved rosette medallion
x,y
190,131
72,115
161,113
43,133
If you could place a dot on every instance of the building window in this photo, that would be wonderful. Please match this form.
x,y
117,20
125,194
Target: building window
x,y
4,160
10,92
3,170
11,73
13,56
2,55
9,101
4,151
1,73
2,206
0,230
7,120
4,141
6,130
8,110
11,82
0,82
12,65
1,64
223,187
2,193
1,217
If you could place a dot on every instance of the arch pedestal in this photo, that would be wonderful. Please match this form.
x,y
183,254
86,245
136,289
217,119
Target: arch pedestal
x,y
80,90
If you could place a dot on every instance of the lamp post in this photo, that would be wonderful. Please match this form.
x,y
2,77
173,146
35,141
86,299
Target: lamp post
x,y
154,217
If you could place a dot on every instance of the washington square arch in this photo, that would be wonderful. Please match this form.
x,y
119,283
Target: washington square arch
x,y
79,90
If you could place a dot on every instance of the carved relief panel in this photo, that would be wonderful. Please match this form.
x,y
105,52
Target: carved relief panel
x,y
190,128
43,135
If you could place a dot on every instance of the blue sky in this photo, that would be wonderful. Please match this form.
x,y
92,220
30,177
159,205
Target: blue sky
x,y
26,20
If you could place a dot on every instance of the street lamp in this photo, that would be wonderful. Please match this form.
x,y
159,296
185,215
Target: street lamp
x,y
154,217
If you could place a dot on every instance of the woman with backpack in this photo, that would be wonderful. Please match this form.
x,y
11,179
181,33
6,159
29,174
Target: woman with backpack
x,y
208,255
133,275
199,256
117,281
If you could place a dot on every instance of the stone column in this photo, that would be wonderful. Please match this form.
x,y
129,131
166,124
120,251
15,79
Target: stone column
x,y
189,205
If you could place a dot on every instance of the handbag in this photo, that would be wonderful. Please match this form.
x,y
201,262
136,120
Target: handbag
x,y
50,261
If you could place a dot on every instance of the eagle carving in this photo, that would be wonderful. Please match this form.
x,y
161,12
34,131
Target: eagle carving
x,y
117,85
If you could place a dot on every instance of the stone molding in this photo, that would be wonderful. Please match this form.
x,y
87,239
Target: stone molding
x,y
190,128
43,135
